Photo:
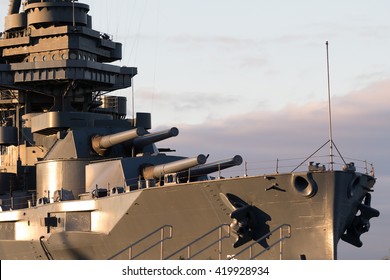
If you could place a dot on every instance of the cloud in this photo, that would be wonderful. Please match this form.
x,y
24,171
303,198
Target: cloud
x,y
252,62
185,100
242,52
220,42
360,122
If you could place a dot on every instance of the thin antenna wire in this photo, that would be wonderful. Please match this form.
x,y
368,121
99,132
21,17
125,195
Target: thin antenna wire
x,y
329,110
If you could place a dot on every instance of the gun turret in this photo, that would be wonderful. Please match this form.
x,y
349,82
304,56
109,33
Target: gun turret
x,y
101,144
151,138
210,168
158,171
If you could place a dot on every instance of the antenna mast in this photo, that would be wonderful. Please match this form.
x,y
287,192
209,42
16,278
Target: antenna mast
x,y
329,110
133,98
73,11
330,141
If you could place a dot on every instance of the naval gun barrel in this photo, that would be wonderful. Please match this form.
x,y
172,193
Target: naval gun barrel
x,y
158,171
211,167
100,144
155,137
14,6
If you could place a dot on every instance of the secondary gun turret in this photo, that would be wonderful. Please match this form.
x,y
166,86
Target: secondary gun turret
x,y
210,168
101,144
158,171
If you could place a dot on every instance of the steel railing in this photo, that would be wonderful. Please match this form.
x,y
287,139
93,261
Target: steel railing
x,y
161,242
282,237
221,236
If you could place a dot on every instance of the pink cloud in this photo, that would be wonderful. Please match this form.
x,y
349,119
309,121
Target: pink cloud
x,y
360,121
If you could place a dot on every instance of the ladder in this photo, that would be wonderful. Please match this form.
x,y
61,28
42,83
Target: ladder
x,y
223,233
163,237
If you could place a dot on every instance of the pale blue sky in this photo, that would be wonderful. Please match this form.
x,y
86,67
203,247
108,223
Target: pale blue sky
x,y
249,77
244,55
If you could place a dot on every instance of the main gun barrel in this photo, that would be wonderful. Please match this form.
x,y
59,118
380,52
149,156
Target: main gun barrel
x,y
155,137
211,167
158,171
100,144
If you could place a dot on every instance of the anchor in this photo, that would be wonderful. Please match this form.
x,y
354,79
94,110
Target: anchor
x,y
361,223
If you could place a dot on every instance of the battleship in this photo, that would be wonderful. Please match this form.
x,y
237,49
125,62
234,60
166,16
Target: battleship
x,y
79,180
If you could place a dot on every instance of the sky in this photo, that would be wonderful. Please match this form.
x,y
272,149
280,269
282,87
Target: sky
x,y
249,77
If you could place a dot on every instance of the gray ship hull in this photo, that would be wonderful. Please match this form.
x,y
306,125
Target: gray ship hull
x,y
315,216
